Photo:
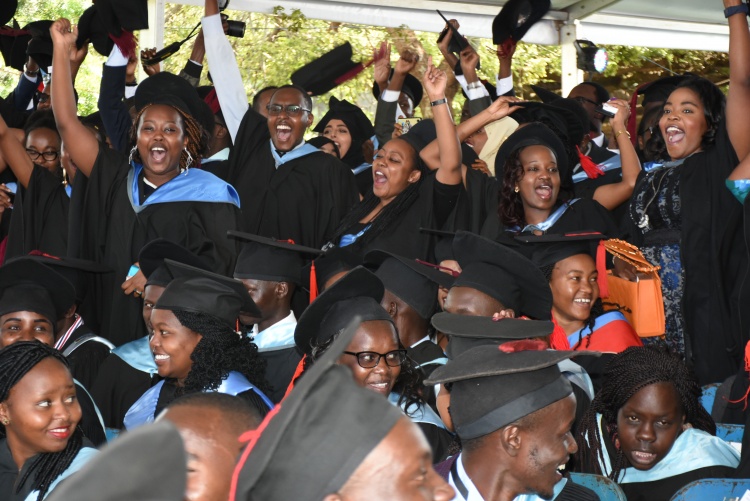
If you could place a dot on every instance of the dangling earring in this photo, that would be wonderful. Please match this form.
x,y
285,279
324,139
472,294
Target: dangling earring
x,y
188,162
132,152
516,189
5,421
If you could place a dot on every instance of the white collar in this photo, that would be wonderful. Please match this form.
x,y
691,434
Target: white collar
x,y
470,487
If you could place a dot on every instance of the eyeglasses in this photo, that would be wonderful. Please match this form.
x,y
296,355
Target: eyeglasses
x,y
370,359
47,155
292,109
42,97
583,100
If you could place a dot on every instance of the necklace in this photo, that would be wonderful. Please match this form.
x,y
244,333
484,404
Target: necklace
x,y
644,221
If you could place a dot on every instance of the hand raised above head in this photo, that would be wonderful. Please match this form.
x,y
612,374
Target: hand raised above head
x,y
434,81
63,33
407,62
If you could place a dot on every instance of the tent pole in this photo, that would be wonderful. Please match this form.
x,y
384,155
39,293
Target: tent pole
x,y
154,36
571,75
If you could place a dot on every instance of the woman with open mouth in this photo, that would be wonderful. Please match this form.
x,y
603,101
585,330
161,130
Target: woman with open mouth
x,y
647,430
684,219
40,441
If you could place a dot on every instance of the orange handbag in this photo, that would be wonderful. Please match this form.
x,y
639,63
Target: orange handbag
x,y
641,301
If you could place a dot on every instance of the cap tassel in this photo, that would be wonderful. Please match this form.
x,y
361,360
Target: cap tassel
x,y
125,42
601,268
747,369
632,129
589,167
558,340
313,282
251,438
522,345
297,373
359,68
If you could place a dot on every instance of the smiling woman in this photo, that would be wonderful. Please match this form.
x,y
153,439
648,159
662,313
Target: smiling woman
x,y
40,442
647,430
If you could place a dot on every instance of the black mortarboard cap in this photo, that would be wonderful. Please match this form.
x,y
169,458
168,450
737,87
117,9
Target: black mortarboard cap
x,y
220,296
358,293
40,45
263,258
131,15
492,389
152,256
91,29
533,134
297,442
659,90
172,90
355,119
27,285
320,141
14,42
414,283
332,262
546,96
468,331
515,19
74,270
7,11
148,464
564,119
328,71
412,87
503,274
549,249
420,135
444,246
458,41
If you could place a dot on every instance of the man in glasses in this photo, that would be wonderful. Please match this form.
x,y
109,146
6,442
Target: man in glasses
x,y
286,186
591,95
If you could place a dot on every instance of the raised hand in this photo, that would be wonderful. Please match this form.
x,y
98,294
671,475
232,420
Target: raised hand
x,y
151,69
469,60
623,113
406,62
382,66
63,33
434,81
501,108
443,44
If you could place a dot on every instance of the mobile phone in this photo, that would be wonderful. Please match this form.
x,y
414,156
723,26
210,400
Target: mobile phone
x,y
607,110
132,271
407,123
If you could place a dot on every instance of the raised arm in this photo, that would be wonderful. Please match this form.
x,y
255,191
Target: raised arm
x,y
449,148
450,58
82,145
14,154
615,194
738,99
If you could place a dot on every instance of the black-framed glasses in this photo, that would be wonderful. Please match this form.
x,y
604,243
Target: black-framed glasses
x,y
47,155
370,359
292,110
42,97
583,100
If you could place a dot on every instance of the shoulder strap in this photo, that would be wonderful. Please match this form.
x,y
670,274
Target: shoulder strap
x,y
84,339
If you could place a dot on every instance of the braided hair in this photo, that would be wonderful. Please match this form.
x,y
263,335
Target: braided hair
x,y
389,215
197,144
627,373
16,361
219,352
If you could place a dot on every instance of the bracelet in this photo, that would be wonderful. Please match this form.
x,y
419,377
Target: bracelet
x,y
474,85
623,131
438,102
736,9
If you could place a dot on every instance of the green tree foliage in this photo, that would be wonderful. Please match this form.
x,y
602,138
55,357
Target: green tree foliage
x,y
275,45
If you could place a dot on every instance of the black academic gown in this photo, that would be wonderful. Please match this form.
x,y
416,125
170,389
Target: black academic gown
x,y
587,187
585,214
86,359
39,219
303,200
112,233
280,368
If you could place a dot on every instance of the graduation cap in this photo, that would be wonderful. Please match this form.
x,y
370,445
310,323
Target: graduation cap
x,y
28,285
547,96
7,11
74,270
121,18
534,133
444,246
355,119
333,262
201,291
263,258
563,118
420,135
358,293
656,92
172,90
147,464
515,19
320,141
13,44
458,41
467,332
414,283
295,456
328,71
551,248
503,274
152,256
412,87
492,388
91,29
39,47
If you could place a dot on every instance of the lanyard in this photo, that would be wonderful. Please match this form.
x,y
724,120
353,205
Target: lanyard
x,y
61,342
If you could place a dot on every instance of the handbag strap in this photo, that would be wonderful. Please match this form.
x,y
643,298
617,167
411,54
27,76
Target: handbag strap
x,y
630,254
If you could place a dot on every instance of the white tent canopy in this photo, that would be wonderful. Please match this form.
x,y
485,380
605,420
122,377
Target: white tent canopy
x,y
687,24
